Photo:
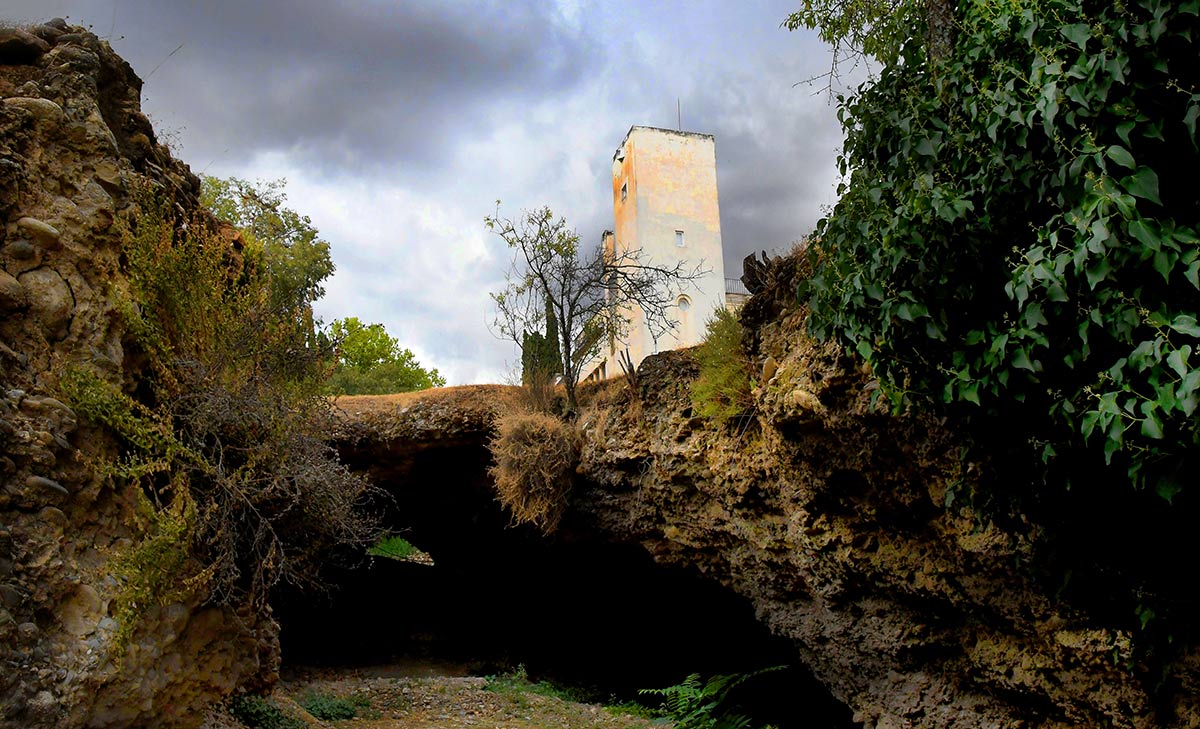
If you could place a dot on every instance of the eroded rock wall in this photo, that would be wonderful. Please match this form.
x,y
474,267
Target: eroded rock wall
x,y
73,146
830,514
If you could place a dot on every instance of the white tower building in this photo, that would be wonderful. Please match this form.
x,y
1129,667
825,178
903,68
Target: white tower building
x,y
665,202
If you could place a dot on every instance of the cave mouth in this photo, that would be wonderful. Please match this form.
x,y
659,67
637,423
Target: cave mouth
x,y
574,610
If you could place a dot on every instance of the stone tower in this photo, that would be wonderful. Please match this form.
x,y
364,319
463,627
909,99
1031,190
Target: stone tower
x,y
665,202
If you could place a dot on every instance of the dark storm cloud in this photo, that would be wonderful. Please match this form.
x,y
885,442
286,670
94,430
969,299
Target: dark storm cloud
x,y
341,83
773,180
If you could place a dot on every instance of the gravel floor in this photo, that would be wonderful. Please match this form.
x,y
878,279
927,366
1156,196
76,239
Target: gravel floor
x,y
452,702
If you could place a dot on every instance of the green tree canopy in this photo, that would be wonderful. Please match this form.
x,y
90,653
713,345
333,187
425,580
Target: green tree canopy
x,y
540,356
371,362
296,259
297,262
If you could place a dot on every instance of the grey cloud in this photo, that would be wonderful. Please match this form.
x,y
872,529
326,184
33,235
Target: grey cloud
x,y
459,104
340,84
776,149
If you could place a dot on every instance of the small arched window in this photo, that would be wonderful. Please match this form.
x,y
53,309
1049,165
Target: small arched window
x,y
684,304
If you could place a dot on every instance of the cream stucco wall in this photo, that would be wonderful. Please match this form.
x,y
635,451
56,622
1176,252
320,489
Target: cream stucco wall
x,y
665,181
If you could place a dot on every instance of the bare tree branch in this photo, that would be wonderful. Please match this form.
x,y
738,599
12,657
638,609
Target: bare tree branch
x,y
590,292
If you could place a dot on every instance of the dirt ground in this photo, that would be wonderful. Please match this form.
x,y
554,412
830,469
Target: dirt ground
x,y
441,696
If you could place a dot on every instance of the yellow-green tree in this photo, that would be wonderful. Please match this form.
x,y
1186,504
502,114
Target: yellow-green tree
x,y
372,362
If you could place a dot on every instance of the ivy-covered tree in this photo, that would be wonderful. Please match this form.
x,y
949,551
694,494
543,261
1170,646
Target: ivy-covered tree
x,y
1017,230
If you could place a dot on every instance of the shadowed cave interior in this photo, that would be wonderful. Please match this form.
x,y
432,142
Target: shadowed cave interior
x,y
573,609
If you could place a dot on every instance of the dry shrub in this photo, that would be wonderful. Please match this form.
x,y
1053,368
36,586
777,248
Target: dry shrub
x,y
534,458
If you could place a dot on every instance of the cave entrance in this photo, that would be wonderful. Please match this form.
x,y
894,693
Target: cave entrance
x,y
572,609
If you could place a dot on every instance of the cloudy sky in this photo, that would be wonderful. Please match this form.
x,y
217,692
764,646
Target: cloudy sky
x,y
399,124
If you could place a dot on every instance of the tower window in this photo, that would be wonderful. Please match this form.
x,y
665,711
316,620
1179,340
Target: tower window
x,y
684,304
624,191
679,238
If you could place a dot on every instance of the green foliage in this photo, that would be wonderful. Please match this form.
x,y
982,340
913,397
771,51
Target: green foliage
x,y
140,427
694,704
258,712
393,547
363,345
875,28
632,708
370,362
541,356
156,570
327,707
1017,233
722,389
516,682
296,260
223,435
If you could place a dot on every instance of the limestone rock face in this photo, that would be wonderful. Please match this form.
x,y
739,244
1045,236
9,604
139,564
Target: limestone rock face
x,y
830,515
73,142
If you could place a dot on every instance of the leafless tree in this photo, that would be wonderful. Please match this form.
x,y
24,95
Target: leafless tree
x,y
590,292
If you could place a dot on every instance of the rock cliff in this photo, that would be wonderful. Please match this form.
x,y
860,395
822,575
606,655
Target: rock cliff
x,y
831,516
836,519
73,146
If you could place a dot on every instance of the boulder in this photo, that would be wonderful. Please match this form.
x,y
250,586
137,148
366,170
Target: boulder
x,y
44,234
19,46
51,300
12,294
45,111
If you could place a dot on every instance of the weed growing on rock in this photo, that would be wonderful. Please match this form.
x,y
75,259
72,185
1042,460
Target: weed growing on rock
x,y
723,388
157,570
534,460
223,434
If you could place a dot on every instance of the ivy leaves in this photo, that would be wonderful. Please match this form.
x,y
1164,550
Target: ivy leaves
x,y
1016,232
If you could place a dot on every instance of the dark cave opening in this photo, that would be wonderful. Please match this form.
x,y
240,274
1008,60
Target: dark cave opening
x,y
572,609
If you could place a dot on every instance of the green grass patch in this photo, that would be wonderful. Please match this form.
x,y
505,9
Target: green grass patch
x,y
393,547
515,682
516,685
723,388
258,712
328,707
